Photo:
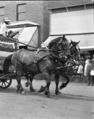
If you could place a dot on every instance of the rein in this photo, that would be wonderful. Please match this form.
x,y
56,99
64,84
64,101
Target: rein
x,y
35,48
50,50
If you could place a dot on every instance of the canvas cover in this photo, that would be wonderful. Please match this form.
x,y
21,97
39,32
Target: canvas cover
x,y
27,35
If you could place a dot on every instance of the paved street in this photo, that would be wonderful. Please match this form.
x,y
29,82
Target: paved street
x,y
75,102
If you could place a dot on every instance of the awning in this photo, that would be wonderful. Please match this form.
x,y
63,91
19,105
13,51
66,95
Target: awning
x,y
86,41
22,24
28,32
48,40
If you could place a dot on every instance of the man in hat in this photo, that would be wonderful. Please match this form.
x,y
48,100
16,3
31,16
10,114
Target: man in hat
x,y
3,28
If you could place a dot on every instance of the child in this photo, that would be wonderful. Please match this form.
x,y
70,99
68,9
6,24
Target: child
x,y
80,69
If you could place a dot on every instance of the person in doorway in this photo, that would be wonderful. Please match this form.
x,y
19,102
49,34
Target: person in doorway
x,y
3,28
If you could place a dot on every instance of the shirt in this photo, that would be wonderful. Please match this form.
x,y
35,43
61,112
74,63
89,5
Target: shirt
x,y
80,69
3,29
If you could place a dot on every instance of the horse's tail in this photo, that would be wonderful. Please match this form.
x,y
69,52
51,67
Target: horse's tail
x,y
7,63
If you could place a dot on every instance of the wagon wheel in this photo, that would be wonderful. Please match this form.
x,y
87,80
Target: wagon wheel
x,y
5,82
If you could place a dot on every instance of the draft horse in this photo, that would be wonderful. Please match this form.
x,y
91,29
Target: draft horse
x,y
65,55
67,59
66,67
34,62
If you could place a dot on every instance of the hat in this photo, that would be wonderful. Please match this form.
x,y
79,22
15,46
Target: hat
x,y
6,19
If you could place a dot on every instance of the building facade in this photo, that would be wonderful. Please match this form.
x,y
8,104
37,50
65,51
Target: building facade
x,y
36,11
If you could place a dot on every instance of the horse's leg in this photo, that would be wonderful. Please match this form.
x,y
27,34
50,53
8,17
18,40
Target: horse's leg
x,y
31,86
89,80
63,85
28,79
19,85
42,89
92,80
57,83
47,89
48,81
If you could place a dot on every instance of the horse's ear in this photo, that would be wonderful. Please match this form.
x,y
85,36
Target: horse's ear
x,y
63,36
78,42
71,41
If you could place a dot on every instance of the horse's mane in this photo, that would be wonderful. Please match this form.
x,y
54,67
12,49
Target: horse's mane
x,y
54,42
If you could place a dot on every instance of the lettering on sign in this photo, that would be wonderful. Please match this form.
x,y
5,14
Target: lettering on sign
x,y
10,46
6,46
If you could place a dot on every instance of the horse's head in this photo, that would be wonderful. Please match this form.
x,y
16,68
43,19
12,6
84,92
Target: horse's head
x,y
75,50
58,44
63,46
62,43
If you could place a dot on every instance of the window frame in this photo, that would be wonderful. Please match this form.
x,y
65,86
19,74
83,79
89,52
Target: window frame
x,y
18,12
2,15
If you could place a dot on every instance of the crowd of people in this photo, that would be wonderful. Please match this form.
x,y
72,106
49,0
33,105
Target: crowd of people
x,y
86,68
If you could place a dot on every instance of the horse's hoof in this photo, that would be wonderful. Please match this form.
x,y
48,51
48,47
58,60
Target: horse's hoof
x,y
23,92
18,89
62,86
47,94
41,89
27,84
32,89
57,92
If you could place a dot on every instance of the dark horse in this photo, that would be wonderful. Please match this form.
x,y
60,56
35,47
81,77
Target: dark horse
x,y
35,62
66,67
67,59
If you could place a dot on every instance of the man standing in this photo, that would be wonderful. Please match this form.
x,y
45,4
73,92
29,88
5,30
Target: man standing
x,y
3,28
87,69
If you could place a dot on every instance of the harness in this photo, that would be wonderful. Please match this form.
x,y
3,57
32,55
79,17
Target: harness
x,y
25,68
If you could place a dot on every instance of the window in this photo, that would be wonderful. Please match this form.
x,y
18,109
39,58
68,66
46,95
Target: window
x,y
21,12
2,13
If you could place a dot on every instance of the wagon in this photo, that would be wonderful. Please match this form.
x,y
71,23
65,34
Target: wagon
x,y
6,79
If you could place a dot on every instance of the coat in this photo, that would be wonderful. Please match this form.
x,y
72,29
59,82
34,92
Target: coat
x,y
87,68
3,30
